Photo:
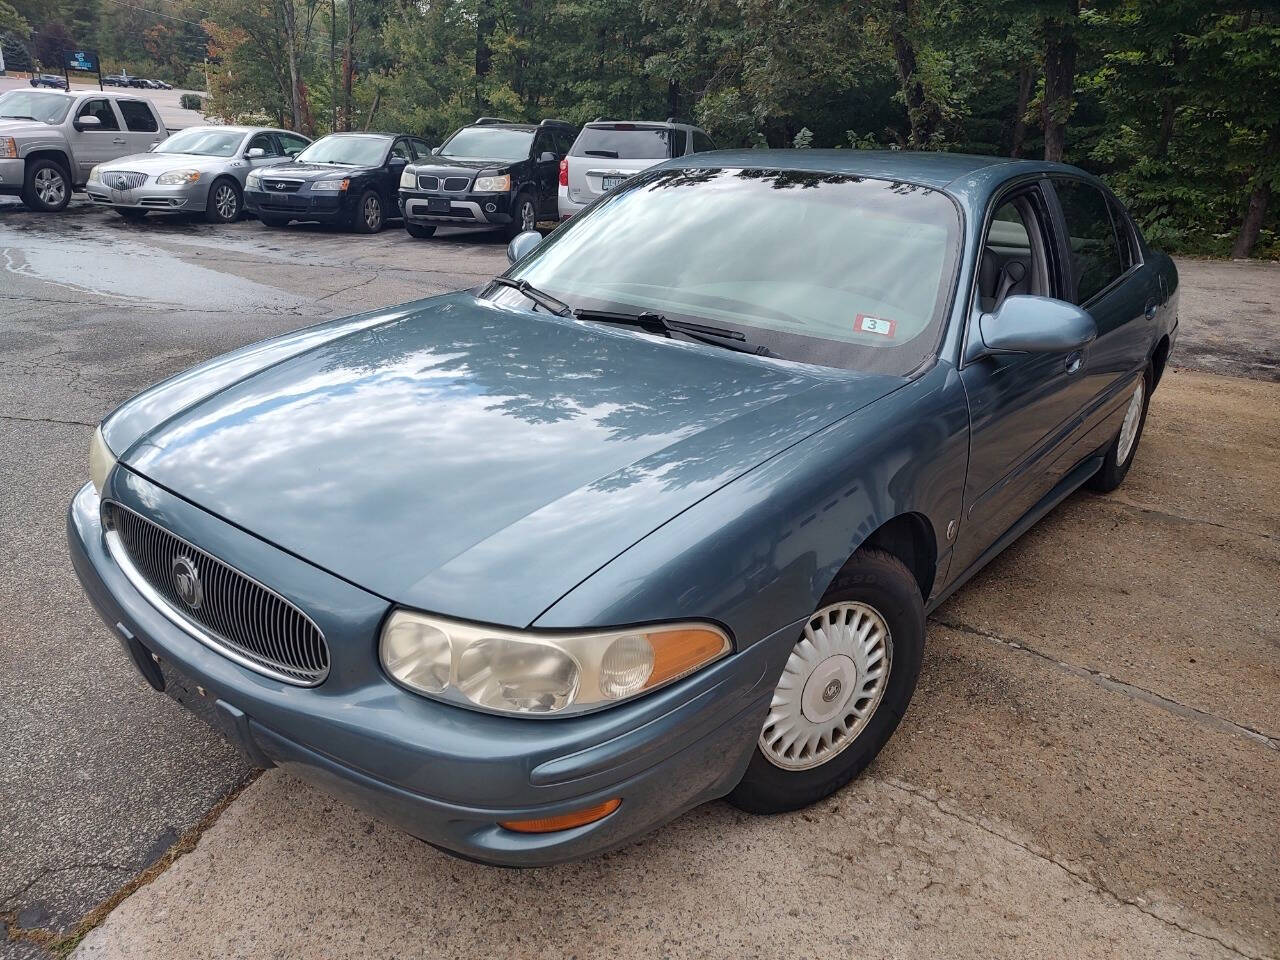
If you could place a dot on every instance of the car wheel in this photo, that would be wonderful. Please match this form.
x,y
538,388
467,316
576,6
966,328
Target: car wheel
x,y
47,188
420,230
273,221
368,214
1119,458
846,684
223,205
131,214
526,217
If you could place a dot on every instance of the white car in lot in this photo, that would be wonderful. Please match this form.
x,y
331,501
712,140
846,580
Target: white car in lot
x,y
608,151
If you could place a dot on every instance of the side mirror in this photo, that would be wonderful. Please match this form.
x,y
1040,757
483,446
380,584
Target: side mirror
x,y
548,157
88,122
435,151
254,153
1027,324
522,244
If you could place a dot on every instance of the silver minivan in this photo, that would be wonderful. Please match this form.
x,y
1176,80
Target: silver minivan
x,y
608,151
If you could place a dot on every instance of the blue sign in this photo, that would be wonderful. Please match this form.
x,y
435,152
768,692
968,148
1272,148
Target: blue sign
x,y
86,60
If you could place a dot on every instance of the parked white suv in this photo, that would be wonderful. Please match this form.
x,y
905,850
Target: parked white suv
x,y
49,140
608,151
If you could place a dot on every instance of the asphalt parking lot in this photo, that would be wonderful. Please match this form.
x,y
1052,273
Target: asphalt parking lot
x,y
1091,763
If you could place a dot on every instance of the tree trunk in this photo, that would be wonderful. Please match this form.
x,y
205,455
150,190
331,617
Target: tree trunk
x,y
921,114
1259,197
1059,78
291,45
349,66
484,55
1026,83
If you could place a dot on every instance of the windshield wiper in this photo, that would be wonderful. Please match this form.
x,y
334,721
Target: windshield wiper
x,y
17,116
546,300
602,153
716,336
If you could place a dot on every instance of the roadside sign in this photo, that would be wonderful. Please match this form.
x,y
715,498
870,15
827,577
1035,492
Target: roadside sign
x,y
85,61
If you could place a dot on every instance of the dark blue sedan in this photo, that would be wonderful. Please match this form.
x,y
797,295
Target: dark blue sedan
x,y
655,517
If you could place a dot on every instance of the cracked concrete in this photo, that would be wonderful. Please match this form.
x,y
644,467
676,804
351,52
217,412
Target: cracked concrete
x,y
1089,766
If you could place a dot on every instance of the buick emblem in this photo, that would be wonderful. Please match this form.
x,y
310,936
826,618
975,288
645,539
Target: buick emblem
x,y
121,182
831,691
186,581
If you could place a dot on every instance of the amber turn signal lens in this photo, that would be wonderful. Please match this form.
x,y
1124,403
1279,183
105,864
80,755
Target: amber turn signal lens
x,y
677,652
564,821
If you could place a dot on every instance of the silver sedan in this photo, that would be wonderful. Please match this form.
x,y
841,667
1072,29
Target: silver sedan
x,y
197,170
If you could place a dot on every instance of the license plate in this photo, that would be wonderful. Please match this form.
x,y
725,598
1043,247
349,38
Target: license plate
x,y
439,205
608,183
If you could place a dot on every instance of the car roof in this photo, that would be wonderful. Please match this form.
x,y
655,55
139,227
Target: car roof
x,y
956,173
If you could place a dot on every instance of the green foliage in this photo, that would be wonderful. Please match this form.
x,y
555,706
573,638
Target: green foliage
x,y
191,101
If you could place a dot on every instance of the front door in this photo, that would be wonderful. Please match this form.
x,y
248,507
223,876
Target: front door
x,y
98,144
1023,408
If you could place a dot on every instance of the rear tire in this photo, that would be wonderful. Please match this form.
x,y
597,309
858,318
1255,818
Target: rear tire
x,y
421,231
131,214
368,216
1124,449
224,204
844,689
46,187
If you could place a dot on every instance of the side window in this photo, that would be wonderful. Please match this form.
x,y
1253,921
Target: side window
x,y
100,109
1130,252
701,142
420,149
564,141
291,144
264,142
541,144
679,141
1013,255
401,149
1095,250
138,116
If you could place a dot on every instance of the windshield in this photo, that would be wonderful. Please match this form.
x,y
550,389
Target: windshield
x,y
346,151
624,142
203,143
822,268
30,105
489,143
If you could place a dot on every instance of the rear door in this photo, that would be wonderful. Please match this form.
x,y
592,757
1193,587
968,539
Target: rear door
x,y
141,125
104,142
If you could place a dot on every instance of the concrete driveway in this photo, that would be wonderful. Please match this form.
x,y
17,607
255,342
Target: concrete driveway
x,y
1091,765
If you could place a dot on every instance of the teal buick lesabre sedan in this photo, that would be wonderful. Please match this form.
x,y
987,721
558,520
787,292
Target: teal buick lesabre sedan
x,y
653,518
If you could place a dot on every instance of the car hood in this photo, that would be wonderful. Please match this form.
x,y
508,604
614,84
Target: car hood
x,y
480,461
157,163
312,171
27,128
445,164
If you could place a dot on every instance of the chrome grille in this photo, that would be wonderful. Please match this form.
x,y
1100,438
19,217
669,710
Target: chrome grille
x,y
456,183
280,184
226,610
428,183
123,180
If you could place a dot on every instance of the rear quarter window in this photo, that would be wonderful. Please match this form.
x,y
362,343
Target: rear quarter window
x,y
624,143
137,116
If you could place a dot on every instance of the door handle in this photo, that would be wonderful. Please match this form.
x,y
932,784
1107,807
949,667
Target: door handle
x,y
1150,311
1075,361
119,140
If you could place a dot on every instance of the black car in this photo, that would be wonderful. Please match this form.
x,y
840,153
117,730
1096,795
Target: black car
x,y
345,178
49,80
492,173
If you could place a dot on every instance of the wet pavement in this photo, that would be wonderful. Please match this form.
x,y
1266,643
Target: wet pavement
x,y
1092,754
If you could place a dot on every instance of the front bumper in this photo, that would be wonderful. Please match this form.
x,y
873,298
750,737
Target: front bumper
x,y
12,175
151,196
443,773
464,209
325,207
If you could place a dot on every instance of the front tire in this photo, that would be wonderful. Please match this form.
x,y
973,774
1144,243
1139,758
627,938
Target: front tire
x,y
368,216
1123,450
420,231
525,218
47,186
845,687
223,205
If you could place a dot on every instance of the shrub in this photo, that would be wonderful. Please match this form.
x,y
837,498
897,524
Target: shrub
x,y
190,101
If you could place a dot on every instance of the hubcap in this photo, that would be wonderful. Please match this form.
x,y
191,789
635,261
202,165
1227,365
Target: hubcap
x,y
225,200
50,187
1129,429
371,212
830,688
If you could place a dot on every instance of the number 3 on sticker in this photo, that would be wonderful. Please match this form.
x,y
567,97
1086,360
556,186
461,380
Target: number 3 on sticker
x,y
876,325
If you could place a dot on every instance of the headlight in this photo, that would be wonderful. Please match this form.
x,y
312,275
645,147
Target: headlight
x,y
515,671
408,179
93,174
172,177
329,185
8,147
493,184
253,180
101,460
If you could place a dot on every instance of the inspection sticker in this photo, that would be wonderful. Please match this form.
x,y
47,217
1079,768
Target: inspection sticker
x,y
877,325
